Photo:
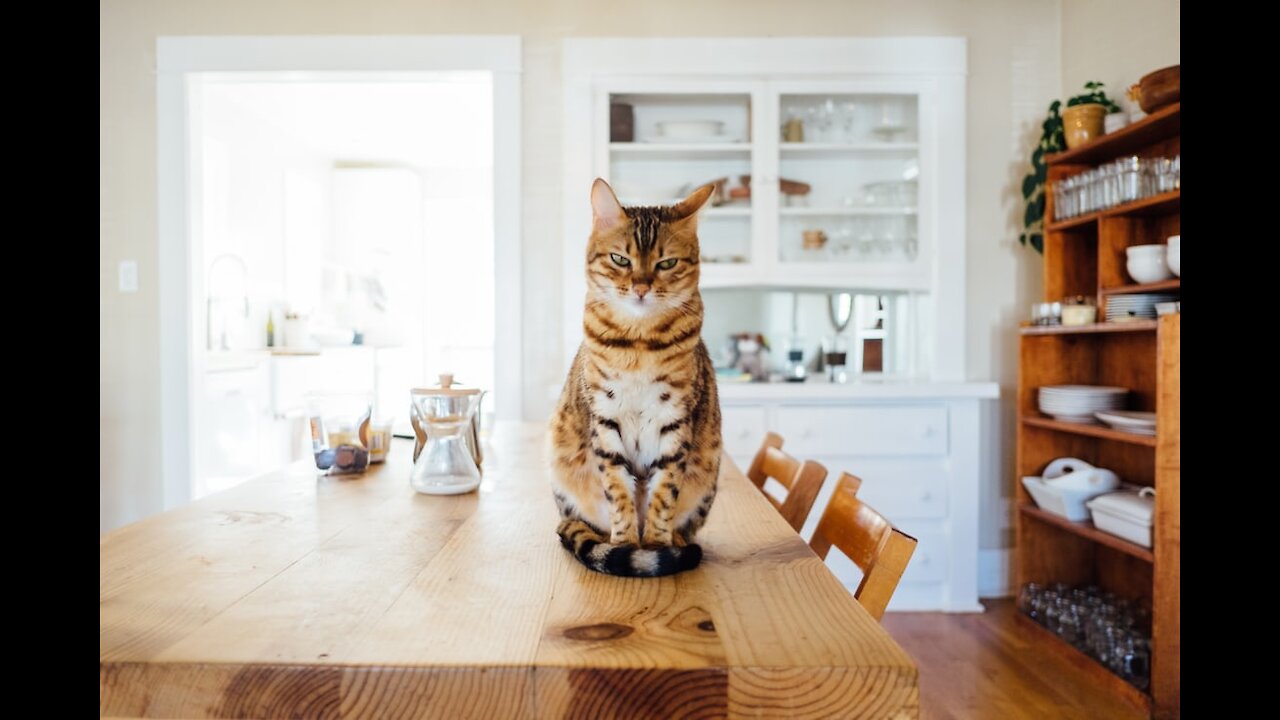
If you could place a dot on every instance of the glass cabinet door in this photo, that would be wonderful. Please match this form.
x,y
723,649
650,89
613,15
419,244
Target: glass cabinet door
x,y
663,145
848,178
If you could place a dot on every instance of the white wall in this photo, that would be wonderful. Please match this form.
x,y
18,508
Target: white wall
x,y
1013,72
1117,42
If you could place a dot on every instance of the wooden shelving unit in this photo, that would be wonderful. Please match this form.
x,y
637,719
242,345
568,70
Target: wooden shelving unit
x,y
1086,256
1155,205
1085,528
1098,431
1130,326
1136,138
1162,286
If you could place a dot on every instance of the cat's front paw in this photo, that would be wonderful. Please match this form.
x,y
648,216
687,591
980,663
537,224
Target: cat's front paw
x,y
624,537
657,538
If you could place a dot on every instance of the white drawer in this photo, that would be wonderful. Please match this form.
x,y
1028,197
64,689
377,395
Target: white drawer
x,y
930,560
868,430
901,489
743,429
928,563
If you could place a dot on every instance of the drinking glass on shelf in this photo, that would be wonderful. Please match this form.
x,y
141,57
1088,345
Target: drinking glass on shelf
x,y
819,119
1164,175
1130,178
910,248
848,117
1028,598
891,119
1070,624
1133,659
842,244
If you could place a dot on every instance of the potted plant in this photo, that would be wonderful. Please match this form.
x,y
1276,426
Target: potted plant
x,y
1082,120
1053,139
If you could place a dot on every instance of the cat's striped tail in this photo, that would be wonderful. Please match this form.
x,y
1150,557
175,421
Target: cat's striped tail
x,y
592,550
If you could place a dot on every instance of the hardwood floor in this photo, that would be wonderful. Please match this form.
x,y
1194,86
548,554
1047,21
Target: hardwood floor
x,y
981,666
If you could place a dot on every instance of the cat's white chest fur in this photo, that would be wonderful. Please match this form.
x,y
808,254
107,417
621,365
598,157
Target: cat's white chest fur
x,y
641,407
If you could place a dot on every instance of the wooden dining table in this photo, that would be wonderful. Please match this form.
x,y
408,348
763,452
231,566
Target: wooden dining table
x,y
300,595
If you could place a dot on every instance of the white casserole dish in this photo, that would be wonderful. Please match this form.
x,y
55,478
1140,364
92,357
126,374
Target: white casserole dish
x,y
1067,484
1127,514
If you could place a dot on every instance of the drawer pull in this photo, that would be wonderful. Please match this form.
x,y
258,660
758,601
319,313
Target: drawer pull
x,y
926,496
927,432
744,433
806,433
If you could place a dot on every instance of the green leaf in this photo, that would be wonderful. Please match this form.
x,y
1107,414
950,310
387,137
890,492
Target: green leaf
x,y
1037,156
1042,174
1029,186
1037,242
1035,211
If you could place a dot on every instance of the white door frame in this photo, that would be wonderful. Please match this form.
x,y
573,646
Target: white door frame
x,y
181,277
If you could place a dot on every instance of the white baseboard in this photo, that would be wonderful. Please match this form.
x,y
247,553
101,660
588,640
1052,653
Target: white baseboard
x,y
995,573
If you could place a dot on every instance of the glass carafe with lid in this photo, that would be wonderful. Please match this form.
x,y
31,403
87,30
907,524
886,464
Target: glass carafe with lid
x,y
446,464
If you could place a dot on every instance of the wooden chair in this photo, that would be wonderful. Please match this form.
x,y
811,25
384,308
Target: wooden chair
x,y
802,480
868,539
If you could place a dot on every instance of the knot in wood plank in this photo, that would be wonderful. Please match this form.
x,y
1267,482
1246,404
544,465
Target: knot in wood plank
x,y
599,631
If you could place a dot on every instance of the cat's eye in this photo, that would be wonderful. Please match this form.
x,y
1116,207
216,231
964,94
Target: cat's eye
x,y
620,260
668,263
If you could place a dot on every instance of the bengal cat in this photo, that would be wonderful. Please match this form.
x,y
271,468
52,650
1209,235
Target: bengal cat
x,y
636,434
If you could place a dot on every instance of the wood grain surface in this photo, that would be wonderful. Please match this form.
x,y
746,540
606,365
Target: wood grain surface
x,y
297,595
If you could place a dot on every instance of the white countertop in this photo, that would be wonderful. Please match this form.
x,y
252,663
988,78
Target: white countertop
x,y
816,389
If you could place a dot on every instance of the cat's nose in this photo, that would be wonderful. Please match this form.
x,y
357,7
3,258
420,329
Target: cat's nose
x,y
641,289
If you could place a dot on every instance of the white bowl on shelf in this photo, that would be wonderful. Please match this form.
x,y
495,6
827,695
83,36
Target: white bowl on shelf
x,y
1175,242
1148,263
1150,249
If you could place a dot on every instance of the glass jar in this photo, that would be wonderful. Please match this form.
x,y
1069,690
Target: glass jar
x,y
340,431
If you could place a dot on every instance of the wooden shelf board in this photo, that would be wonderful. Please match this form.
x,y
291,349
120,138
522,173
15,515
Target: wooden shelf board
x,y
1094,669
1162,204
1163,285
1098,431
1103,327
1085,529
1160,125
1073,223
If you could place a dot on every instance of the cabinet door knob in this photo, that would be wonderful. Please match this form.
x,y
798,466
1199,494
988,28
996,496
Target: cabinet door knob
x,y
927,432
744,433
926,496
806,433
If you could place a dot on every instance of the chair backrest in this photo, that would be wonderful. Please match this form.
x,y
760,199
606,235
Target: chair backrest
x,y
802,480
868,539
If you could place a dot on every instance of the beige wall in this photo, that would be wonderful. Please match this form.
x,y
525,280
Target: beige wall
x,y
1117,42
1013,72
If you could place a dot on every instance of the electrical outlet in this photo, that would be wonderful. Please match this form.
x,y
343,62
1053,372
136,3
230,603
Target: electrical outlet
x,y
128,276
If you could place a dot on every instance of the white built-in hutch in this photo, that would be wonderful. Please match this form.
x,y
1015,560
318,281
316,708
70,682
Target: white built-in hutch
x,y
842,164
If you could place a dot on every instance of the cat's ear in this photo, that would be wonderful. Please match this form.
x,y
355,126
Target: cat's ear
x,y
687,207
606,211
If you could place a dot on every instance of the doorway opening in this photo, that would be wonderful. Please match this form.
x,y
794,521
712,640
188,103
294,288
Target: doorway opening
x,y
340,233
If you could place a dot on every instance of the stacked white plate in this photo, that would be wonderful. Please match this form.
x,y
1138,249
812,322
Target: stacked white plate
x,y
1078,403
1136,422
1121,308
